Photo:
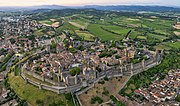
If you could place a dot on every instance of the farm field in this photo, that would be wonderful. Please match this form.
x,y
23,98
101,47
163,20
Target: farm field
x,y
96,30
177,33
118,30
77,25
159,37
175,45
39,32
85,35
169,45
142,37
147,29
67,26
46,22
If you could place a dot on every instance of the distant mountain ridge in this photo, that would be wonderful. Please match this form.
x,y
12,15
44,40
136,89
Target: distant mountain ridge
x,y
16,8
136,8
98,7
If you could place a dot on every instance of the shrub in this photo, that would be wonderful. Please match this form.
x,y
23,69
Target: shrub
x,y
106,78
68,96
96,99
177,98
105,92
74,71
39,102
101,82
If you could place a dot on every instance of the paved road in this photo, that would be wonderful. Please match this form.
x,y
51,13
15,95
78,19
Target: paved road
x,y
9,63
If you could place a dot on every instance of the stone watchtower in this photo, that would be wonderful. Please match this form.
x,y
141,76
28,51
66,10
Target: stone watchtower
x,y
76,79
67,80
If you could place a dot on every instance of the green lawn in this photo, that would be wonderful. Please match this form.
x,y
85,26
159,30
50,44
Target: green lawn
x,y
32,93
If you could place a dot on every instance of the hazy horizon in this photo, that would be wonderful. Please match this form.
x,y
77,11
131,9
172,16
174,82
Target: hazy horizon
x,y
88,2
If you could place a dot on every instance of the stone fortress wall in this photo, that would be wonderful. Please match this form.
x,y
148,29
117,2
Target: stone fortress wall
x,y
129,69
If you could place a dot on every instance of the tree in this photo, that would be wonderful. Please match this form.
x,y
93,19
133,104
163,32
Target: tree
x,y
73,50
53,45
38,69
177,98
96,99
74,71
68,96
39,102
12,40
106,78
81,48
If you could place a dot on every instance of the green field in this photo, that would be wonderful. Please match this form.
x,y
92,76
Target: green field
x,y
117,29
80,22
85,35
33,94
160,37
142,37
46,22
96,30
175,45
152,30
169,45
67,26
39,32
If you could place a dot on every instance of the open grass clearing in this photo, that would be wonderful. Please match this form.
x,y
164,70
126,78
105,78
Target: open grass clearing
x,y
32,93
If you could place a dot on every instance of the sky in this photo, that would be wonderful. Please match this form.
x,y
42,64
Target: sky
x,y
88,2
